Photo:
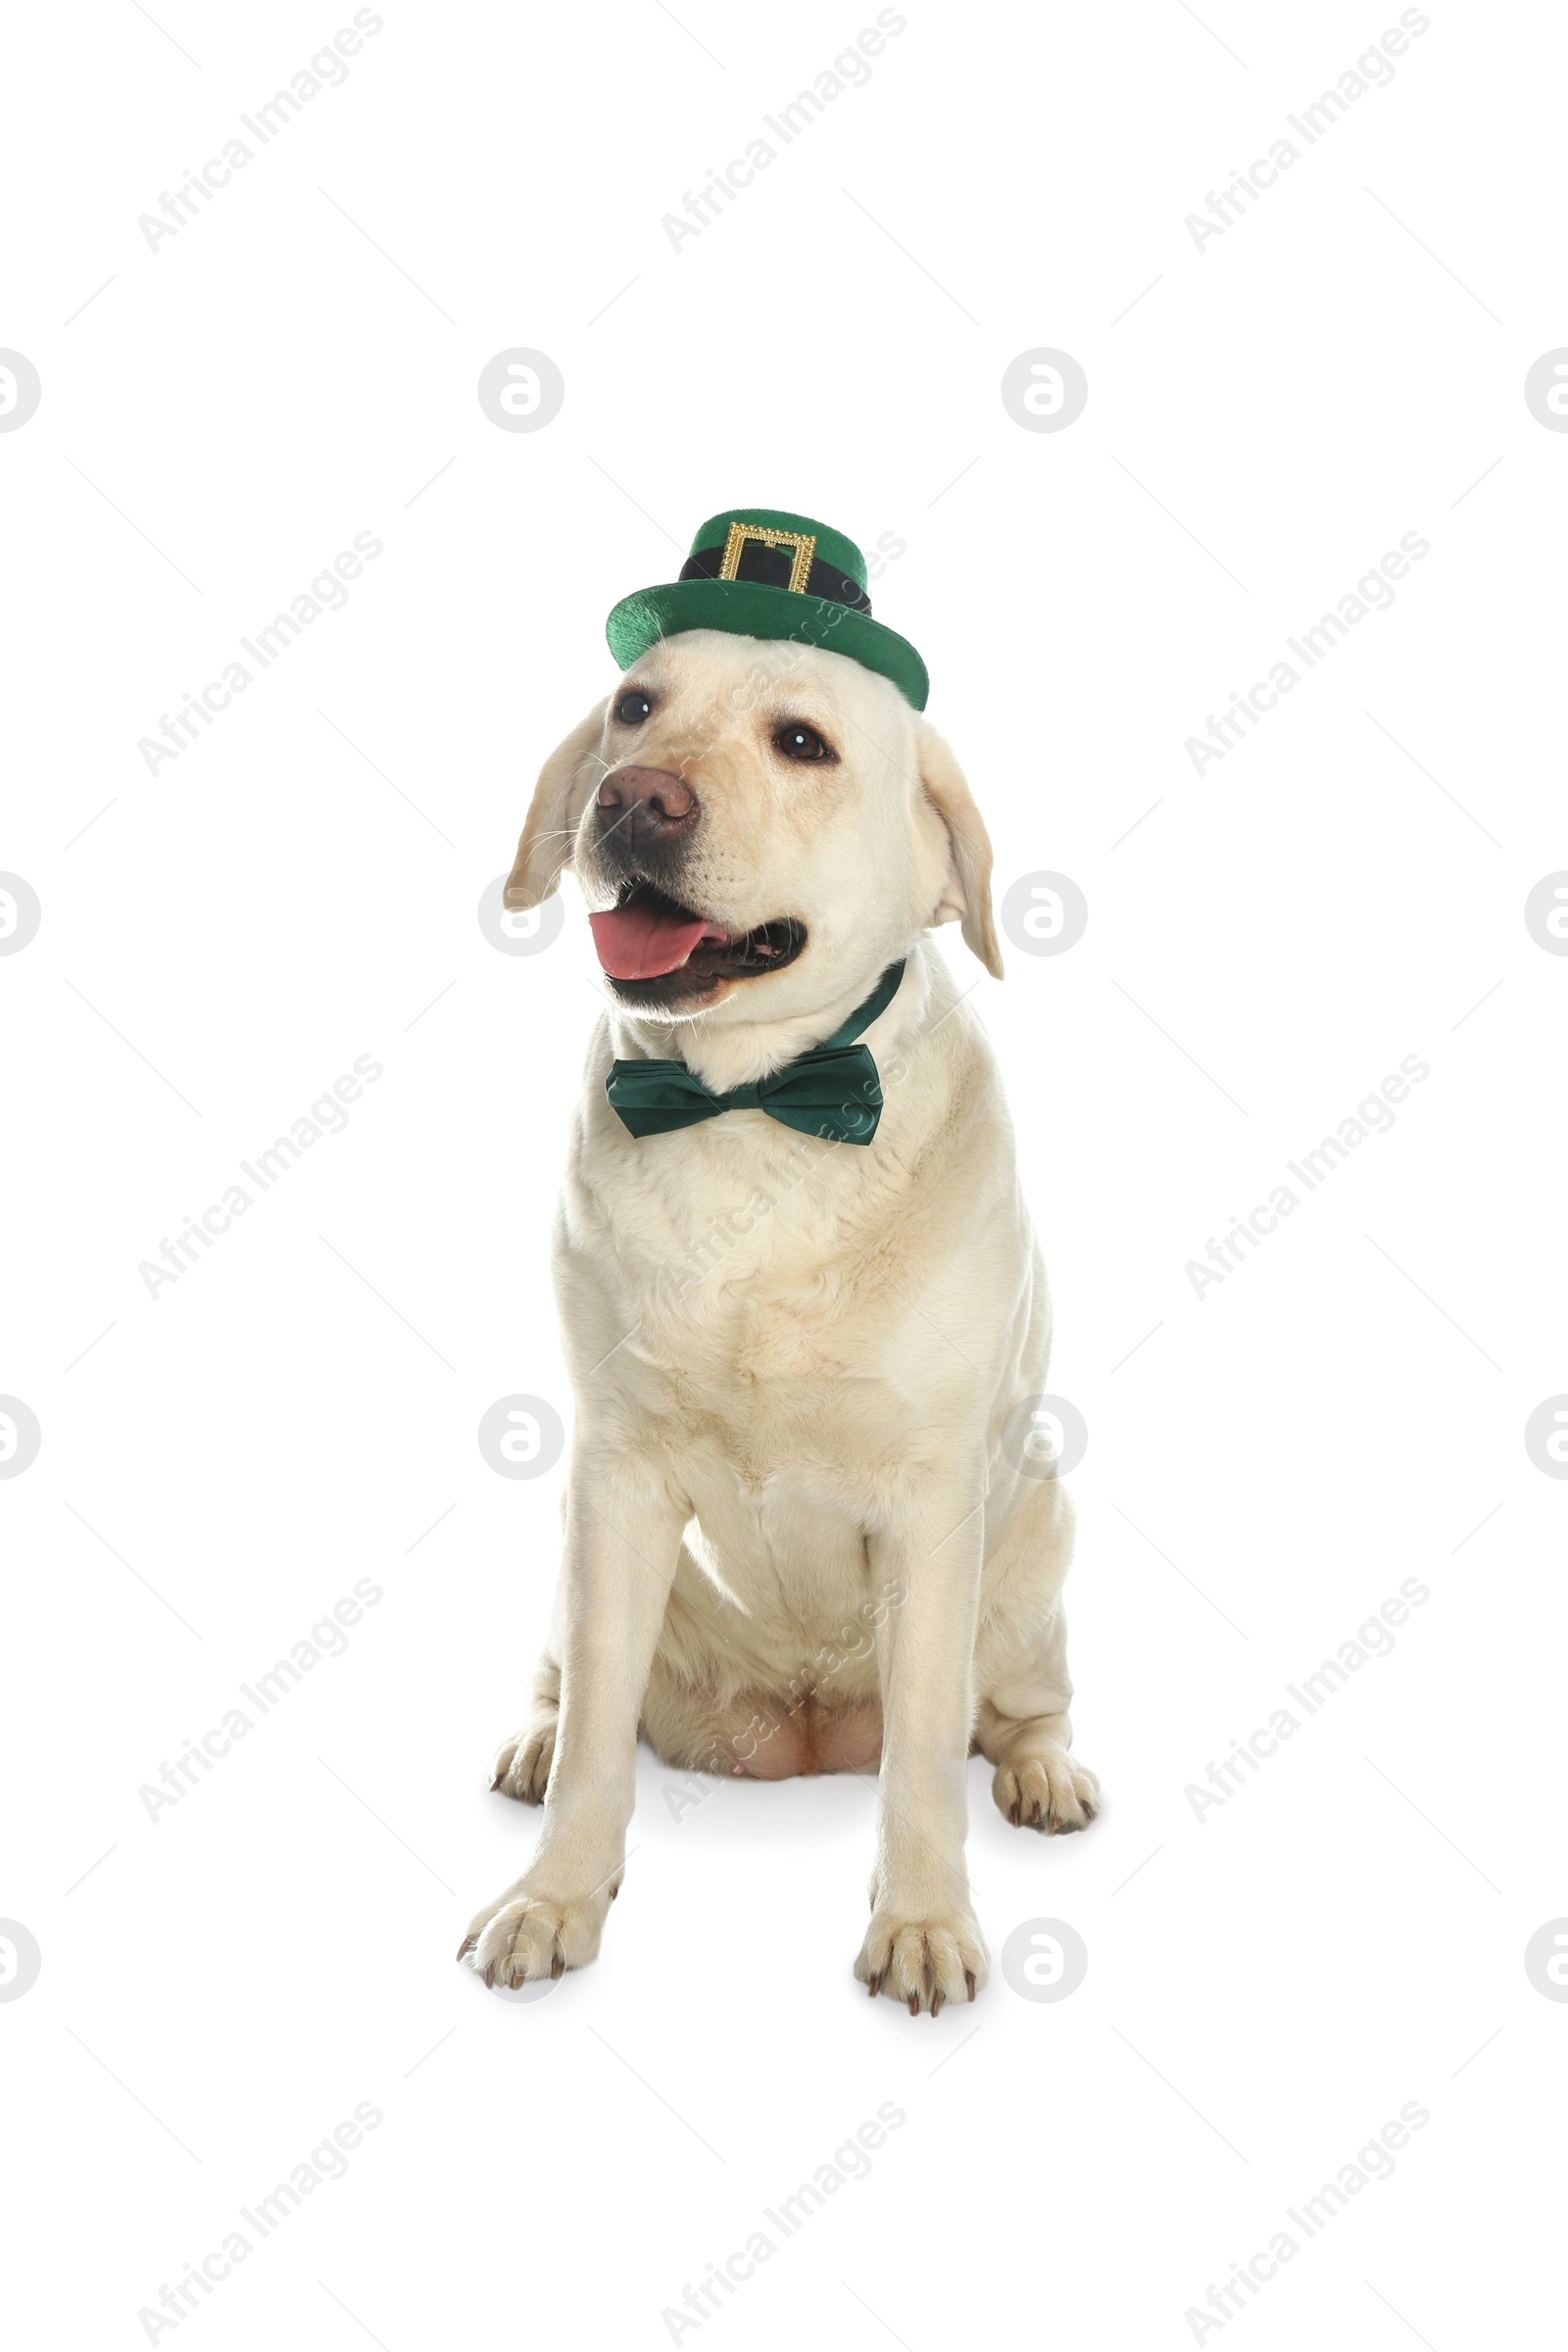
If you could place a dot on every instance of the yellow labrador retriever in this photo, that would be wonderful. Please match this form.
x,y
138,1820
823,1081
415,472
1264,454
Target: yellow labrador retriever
x,y
795,1541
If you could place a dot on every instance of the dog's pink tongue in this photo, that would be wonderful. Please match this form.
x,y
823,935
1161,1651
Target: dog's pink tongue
x,y
638,942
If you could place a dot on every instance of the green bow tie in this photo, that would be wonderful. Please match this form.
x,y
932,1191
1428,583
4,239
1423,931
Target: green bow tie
x,y
833,1091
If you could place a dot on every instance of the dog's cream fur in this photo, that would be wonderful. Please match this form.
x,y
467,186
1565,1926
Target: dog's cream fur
x,y
793,1538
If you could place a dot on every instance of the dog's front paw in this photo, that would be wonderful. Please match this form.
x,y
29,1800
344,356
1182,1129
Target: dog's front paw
x,y
531,1933
521,1766
924,1962
1046,1789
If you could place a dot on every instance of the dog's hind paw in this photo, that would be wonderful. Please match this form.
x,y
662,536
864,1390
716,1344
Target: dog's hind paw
x,y
522,1768
1046,1789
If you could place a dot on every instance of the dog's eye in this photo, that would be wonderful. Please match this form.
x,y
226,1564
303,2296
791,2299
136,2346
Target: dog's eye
x,y
797,742
633,707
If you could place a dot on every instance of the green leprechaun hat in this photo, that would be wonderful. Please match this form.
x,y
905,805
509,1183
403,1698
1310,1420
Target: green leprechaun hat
x,y
757,572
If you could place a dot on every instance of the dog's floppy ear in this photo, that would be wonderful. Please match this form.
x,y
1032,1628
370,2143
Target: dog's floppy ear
x,y
545,849
966,893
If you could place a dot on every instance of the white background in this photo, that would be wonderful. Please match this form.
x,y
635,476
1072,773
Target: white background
x,y
298,365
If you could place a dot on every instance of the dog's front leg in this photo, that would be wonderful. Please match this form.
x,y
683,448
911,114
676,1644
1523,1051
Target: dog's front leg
x,y
923,1945
623,1531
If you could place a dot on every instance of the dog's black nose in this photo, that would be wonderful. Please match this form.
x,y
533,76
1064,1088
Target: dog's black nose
x,y
649,803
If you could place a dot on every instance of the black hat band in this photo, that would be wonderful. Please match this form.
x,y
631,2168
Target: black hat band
x,y
770,567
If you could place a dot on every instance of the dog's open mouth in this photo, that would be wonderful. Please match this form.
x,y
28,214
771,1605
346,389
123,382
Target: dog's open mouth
x,y
647,937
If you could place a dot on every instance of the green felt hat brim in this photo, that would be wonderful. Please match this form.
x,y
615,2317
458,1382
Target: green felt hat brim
x,y
749,609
